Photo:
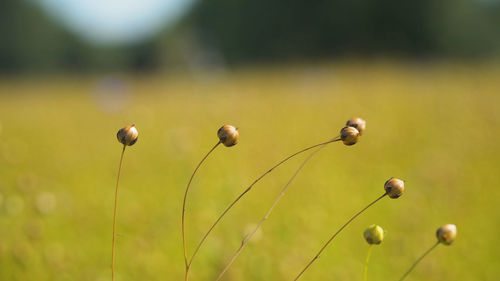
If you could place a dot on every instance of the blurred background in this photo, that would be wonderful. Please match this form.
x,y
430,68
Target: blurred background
x,y
424,74
151,35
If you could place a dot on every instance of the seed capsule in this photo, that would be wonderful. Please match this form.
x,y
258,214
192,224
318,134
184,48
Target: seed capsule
x,y
128,135
228,135
394,187
447,233
357,123
349,135
374,234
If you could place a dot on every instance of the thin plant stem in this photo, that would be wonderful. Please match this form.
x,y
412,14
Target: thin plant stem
x,y
418,260
247,190
365,270
114,216
184,208
335,234
280,195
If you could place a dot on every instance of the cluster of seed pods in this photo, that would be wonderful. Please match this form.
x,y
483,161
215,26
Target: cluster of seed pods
x,y
228,136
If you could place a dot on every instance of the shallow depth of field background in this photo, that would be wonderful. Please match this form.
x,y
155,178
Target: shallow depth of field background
x,y
431,125
432,119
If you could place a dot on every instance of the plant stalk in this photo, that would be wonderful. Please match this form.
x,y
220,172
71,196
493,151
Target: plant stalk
x,y
418,260
365,269
184,209
114,216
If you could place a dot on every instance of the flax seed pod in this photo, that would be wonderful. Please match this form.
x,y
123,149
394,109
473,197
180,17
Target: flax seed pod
x,y
374,234
446,234
357,123
349,135
394,187
127,135
228,135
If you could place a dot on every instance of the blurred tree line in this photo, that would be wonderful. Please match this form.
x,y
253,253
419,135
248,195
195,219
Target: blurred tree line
x,y
31,41
233,32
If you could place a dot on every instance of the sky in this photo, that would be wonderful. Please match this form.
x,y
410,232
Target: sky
x,y
107,22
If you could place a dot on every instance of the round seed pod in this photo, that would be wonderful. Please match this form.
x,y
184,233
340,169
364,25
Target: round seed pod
x,y
374,234
128,135
228,135
349,135
446,234
394,187
357,123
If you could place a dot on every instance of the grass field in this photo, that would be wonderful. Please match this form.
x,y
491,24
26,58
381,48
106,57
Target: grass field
x,y
433,125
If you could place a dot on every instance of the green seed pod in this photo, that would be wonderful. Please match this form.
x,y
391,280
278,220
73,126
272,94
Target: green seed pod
x,y
349,135
394,187
357,123
374,234
127,135
228,135
446,234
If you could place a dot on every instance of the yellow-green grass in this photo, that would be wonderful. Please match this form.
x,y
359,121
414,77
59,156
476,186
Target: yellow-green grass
x,y
433,125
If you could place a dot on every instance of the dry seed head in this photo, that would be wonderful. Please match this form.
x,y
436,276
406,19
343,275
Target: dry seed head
x,y
228,135
374,234
394,187
128,135
349,135
447,233
357,123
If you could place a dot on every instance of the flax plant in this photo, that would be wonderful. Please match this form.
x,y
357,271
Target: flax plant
x,y
446,234
127,136
393,188
228,135
374,235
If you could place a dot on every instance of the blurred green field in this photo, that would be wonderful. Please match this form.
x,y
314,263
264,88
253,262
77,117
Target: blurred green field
x,y
434,125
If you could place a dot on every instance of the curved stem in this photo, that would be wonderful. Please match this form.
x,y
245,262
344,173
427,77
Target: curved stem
x,y
335,234
365,270
280,195
418,260
184,208
114,216
247,190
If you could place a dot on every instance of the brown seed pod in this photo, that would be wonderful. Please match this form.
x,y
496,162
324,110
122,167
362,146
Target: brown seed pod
x,y
349,135
228,135
128,135
446,234
357,123
394,187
